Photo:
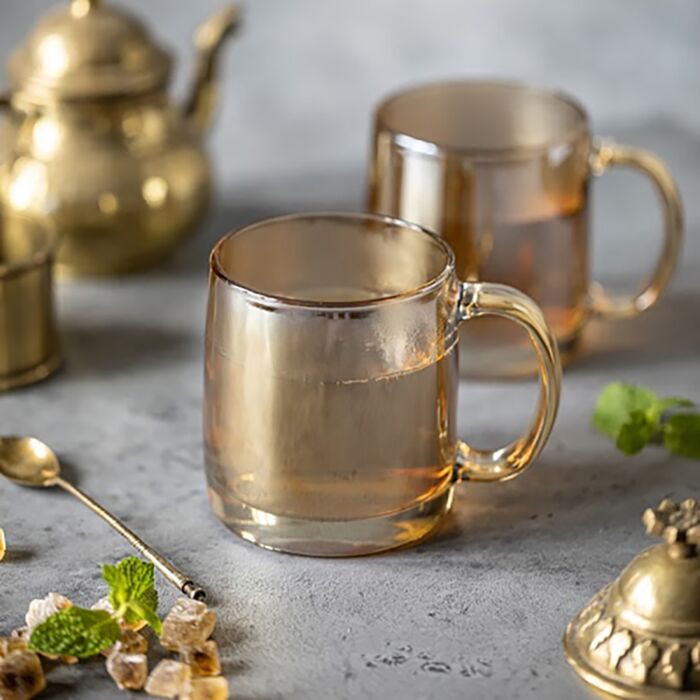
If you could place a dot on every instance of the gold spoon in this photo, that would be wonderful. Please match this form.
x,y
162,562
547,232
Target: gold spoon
x,y
29,462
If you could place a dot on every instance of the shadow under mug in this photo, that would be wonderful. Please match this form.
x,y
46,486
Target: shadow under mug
x,y
331,378
29,345
502,172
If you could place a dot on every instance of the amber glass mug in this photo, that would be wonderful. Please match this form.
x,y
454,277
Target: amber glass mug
x,y
502,171
331,382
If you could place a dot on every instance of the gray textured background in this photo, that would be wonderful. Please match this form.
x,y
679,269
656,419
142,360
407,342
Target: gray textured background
x,y
479,611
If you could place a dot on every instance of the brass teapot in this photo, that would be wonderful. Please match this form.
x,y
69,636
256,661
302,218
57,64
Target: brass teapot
x,y
96,145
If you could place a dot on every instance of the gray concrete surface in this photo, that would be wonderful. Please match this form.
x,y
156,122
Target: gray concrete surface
x,y
478,612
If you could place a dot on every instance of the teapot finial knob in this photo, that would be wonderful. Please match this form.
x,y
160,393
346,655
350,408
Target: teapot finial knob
x,y
676,523
79,8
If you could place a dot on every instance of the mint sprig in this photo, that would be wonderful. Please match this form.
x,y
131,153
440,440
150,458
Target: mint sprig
x,y
634,416
81,632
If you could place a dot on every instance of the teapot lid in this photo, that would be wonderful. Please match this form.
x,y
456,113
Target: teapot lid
x,y
84,50
640,635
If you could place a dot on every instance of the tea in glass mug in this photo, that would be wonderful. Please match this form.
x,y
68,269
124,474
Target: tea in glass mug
x,y
502,171
331,378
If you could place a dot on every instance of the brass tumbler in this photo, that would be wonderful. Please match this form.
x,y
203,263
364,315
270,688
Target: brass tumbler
x,y
29,346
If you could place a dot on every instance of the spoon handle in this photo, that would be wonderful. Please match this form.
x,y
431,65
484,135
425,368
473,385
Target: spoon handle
x,y
183,582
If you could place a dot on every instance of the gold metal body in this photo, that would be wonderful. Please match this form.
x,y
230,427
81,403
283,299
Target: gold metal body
x,y
640,636
503,171
96,145
29,462
29,344
331,383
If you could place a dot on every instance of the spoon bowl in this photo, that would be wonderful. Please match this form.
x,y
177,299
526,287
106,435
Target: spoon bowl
x,y
28,462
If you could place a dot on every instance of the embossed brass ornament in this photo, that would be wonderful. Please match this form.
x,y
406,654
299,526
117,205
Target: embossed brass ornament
x,y
97,147
639,637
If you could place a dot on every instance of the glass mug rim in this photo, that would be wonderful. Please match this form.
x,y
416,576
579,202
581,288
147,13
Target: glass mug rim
x,y
426,287
434,147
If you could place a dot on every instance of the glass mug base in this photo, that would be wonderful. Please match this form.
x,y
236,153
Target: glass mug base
x,y
332,538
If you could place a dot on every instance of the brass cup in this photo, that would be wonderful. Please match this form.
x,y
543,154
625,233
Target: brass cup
x,y
29,345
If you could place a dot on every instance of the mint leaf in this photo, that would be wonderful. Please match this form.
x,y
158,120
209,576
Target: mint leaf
x,y
682,435
146,612
113,577
656,411
144,608
132,591
75,632
137,574
128,580
615,405
636,433
149,599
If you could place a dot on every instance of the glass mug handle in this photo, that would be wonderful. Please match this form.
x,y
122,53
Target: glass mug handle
x,y
485,299
605,155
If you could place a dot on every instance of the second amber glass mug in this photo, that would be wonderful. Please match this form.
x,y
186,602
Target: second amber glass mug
x,y
502,171
331,378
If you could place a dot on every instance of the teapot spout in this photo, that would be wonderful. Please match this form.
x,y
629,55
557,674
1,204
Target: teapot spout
x,y
208,40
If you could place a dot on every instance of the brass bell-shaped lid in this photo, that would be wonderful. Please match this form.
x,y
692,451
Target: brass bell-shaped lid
x,y
87,50
640,636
